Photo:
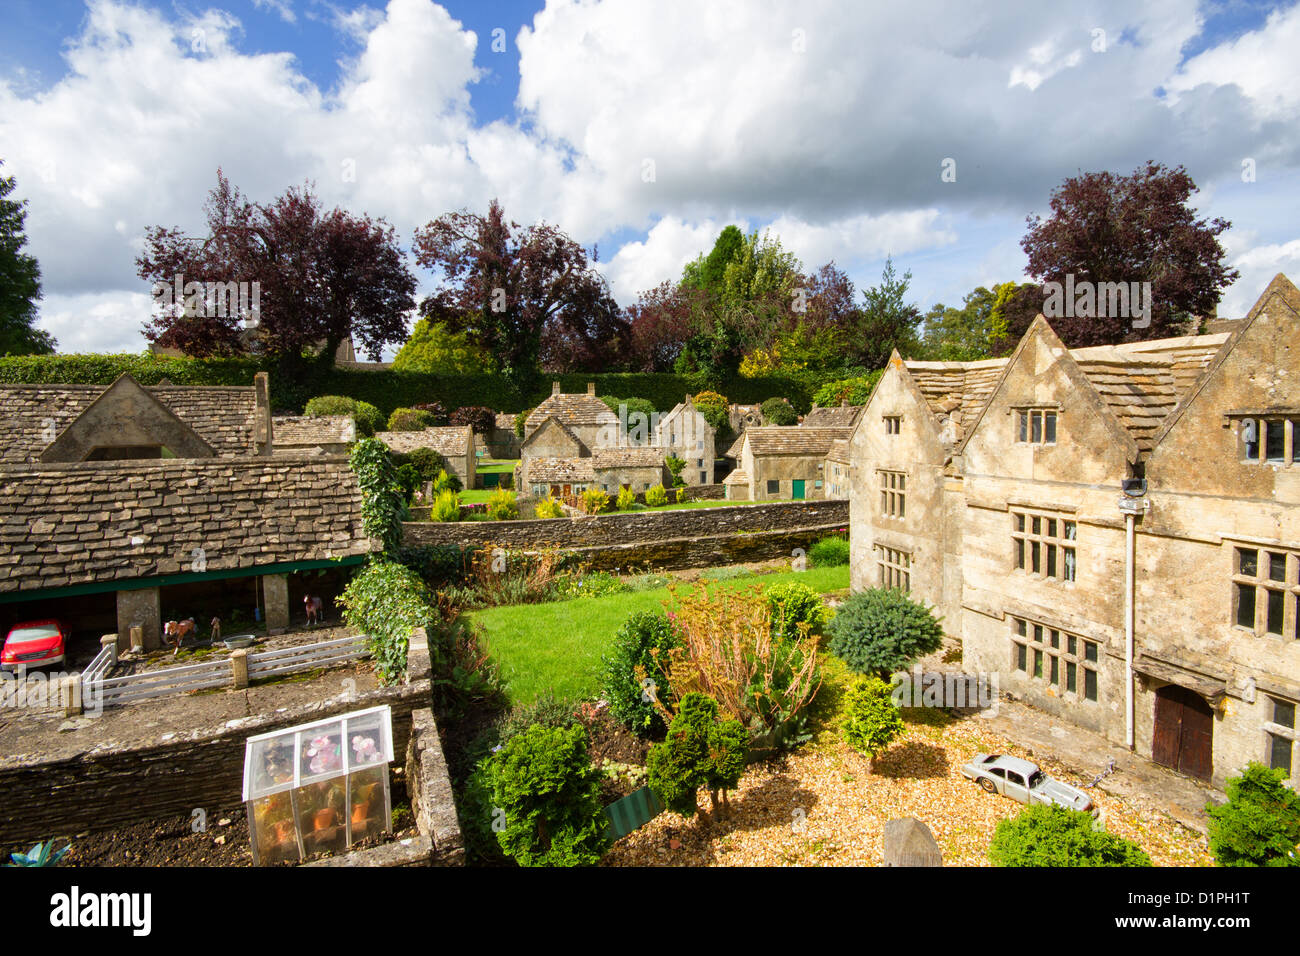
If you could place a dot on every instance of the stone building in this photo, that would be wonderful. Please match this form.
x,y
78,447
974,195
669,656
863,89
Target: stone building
x,y
685,433
126,505
310,434
775,461
1114,531
455,443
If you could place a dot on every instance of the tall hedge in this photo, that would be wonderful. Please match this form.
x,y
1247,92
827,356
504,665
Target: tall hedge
x,y
387,389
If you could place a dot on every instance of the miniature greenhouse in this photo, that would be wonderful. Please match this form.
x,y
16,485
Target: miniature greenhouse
x,y
320,786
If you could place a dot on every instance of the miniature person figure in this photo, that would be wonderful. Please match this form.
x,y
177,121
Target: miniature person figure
x,y
214,633
313,607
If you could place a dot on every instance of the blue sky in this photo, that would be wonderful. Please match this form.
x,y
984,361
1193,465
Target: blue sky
x,y
825,122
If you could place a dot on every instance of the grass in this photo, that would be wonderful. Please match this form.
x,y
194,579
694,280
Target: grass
x,y
495,467
557,647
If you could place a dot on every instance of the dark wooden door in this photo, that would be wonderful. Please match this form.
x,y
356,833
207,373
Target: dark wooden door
x,y
1184,732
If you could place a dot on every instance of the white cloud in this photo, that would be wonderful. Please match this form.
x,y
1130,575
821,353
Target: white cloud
x,y
1258,265
281,7
96,321
1262,63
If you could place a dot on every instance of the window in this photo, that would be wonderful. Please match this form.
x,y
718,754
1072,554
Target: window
x,y
1055,657
1280,734
895,568
1266,591
1272,440
893,424
893,494
1043,544
704,478
773,486
1037,426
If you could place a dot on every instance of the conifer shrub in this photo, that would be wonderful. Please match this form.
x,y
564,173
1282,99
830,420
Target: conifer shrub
x,y
871,720
632,672
1260,823
700,750
880,631
1051,835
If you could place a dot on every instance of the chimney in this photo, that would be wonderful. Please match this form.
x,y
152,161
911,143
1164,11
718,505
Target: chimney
x,y
591,389
262,437
555,388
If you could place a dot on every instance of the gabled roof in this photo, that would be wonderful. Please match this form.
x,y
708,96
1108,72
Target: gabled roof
x,y
792,439
956,390
737,447
642,456
572,409
63,525
840,451
305,431
559,469
450,441
32,416
1280,287
832,416
737,477
568,433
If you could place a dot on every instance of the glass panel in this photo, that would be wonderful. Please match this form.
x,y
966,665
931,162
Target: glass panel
x,y
1056,638
1036,426
321,751
1089,684
274,837
1248,561
367,802
1071,645
1020,627
1051,527
1038,663
1053,679
1038,633
1021,652
1246,606
1279,753
1051,560
1020,554
1275,440
1038,525
271,765
1277,566
1035,557
1274,624
1070,679
1049,427
1070,533
1068,556
1020,522
1089,651
1284,713
1250,438
1023,417
902,507
320,815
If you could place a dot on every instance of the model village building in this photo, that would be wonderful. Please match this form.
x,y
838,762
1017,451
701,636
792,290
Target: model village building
x,y
793,461
574,442
1113,531
126,506
457,444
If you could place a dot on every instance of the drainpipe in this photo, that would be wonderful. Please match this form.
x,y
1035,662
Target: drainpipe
x,y
1129,555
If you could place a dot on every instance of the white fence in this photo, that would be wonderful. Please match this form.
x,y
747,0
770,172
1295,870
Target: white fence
x,y
233,671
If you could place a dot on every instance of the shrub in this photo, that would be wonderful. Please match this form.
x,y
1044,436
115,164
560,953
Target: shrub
x,y
385,600
428,463
409,420
796,609
829,552
594,501
446,507
590,584
447,481
1050,835
408,480
501,505
548,507
436,411
647,582
626,499
633,674
381,508
778,411
546,711
656,496
699,751
496,576
544,782
675,466
727,652
365,416
880,631
520,421
482,419
1260,823
855,391
871,720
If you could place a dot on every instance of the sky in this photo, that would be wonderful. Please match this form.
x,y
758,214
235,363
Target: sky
x,y
643,128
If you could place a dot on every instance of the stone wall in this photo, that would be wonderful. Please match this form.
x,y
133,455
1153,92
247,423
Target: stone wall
x,y
678,553
639,527
114,784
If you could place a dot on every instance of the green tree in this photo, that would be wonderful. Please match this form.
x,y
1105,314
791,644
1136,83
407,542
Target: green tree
x,y
1260,823
435,349
699,751
880,631
966,334
871,719
778,411
886,321
633,671
20,281
1050,835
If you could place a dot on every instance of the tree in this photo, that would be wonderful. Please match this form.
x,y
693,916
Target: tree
x,y
871,718
20,281
319,278
659,325
1260,823
885,322
779,411
479,417
1050,835
966,334
699,751
1015,306
1106,228
510,288
882,630
435,349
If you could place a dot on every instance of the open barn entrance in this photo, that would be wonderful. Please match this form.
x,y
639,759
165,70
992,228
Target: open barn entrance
x,y
1184,732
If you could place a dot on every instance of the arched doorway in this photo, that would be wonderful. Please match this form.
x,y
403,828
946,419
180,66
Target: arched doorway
x,y
1184,732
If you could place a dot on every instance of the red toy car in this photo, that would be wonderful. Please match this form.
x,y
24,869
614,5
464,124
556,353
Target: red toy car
x,y
34,644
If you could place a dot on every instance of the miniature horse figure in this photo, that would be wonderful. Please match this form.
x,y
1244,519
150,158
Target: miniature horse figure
x,y
313,608
175,632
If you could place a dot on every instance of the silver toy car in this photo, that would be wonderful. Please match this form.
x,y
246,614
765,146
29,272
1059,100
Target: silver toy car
x,y
1023,781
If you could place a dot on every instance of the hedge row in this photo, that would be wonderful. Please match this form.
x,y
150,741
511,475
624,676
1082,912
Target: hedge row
x,y
386,389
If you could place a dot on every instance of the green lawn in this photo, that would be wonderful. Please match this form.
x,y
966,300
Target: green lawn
x,y
498,466
558,646
476,496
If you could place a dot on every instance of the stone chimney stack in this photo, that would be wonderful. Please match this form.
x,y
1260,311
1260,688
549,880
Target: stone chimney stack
x,y
591,389
262,437
555,388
